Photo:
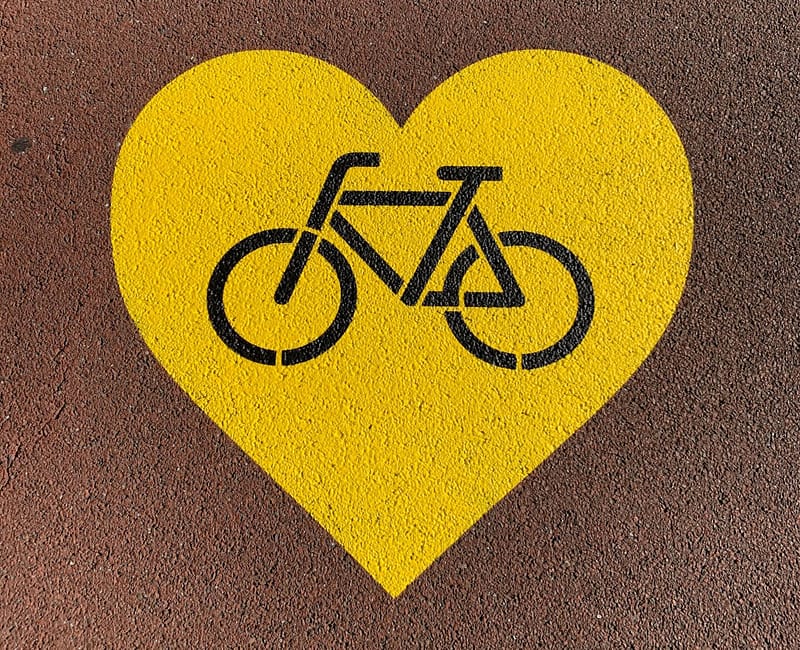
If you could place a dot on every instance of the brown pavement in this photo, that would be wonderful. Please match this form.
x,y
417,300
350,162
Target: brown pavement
x,y
128,519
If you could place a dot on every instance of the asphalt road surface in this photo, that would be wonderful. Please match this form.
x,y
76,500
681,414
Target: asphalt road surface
x,y
129,520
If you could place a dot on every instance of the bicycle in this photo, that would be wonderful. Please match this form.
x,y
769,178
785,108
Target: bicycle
x,y
324,213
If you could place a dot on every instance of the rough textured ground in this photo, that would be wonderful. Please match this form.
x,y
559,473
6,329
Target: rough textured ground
x,y
127,519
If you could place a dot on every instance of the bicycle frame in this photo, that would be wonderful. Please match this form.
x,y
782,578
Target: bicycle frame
x,y
471,178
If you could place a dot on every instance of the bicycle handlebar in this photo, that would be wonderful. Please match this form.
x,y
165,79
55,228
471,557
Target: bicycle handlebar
x,y
334,181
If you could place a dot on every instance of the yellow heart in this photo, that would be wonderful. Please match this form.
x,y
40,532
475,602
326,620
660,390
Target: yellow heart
x,y
395,434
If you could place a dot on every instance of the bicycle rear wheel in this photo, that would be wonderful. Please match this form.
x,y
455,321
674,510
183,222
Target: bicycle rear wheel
x,y
268,356
528,360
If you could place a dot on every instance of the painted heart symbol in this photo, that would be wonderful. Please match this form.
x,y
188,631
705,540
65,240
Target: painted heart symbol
x,y
399,323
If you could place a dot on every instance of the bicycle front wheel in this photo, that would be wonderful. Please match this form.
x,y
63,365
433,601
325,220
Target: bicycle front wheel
x,y
539,358
269,356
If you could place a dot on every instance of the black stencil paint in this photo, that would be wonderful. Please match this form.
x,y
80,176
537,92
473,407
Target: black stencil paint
x,y
450,296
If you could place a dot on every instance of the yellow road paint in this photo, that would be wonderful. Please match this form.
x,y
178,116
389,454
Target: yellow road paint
x,y
397,439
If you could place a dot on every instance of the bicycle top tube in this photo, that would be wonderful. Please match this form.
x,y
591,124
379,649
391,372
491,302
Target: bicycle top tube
x,y
394,198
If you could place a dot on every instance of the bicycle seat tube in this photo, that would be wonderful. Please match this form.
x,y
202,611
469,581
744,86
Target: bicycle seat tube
x,y
471,179
316,219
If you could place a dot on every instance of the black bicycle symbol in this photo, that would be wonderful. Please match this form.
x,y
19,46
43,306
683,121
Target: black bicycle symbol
x,y
449,297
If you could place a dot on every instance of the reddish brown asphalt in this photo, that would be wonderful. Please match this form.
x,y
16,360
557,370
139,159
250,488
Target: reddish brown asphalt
x,y
127,519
